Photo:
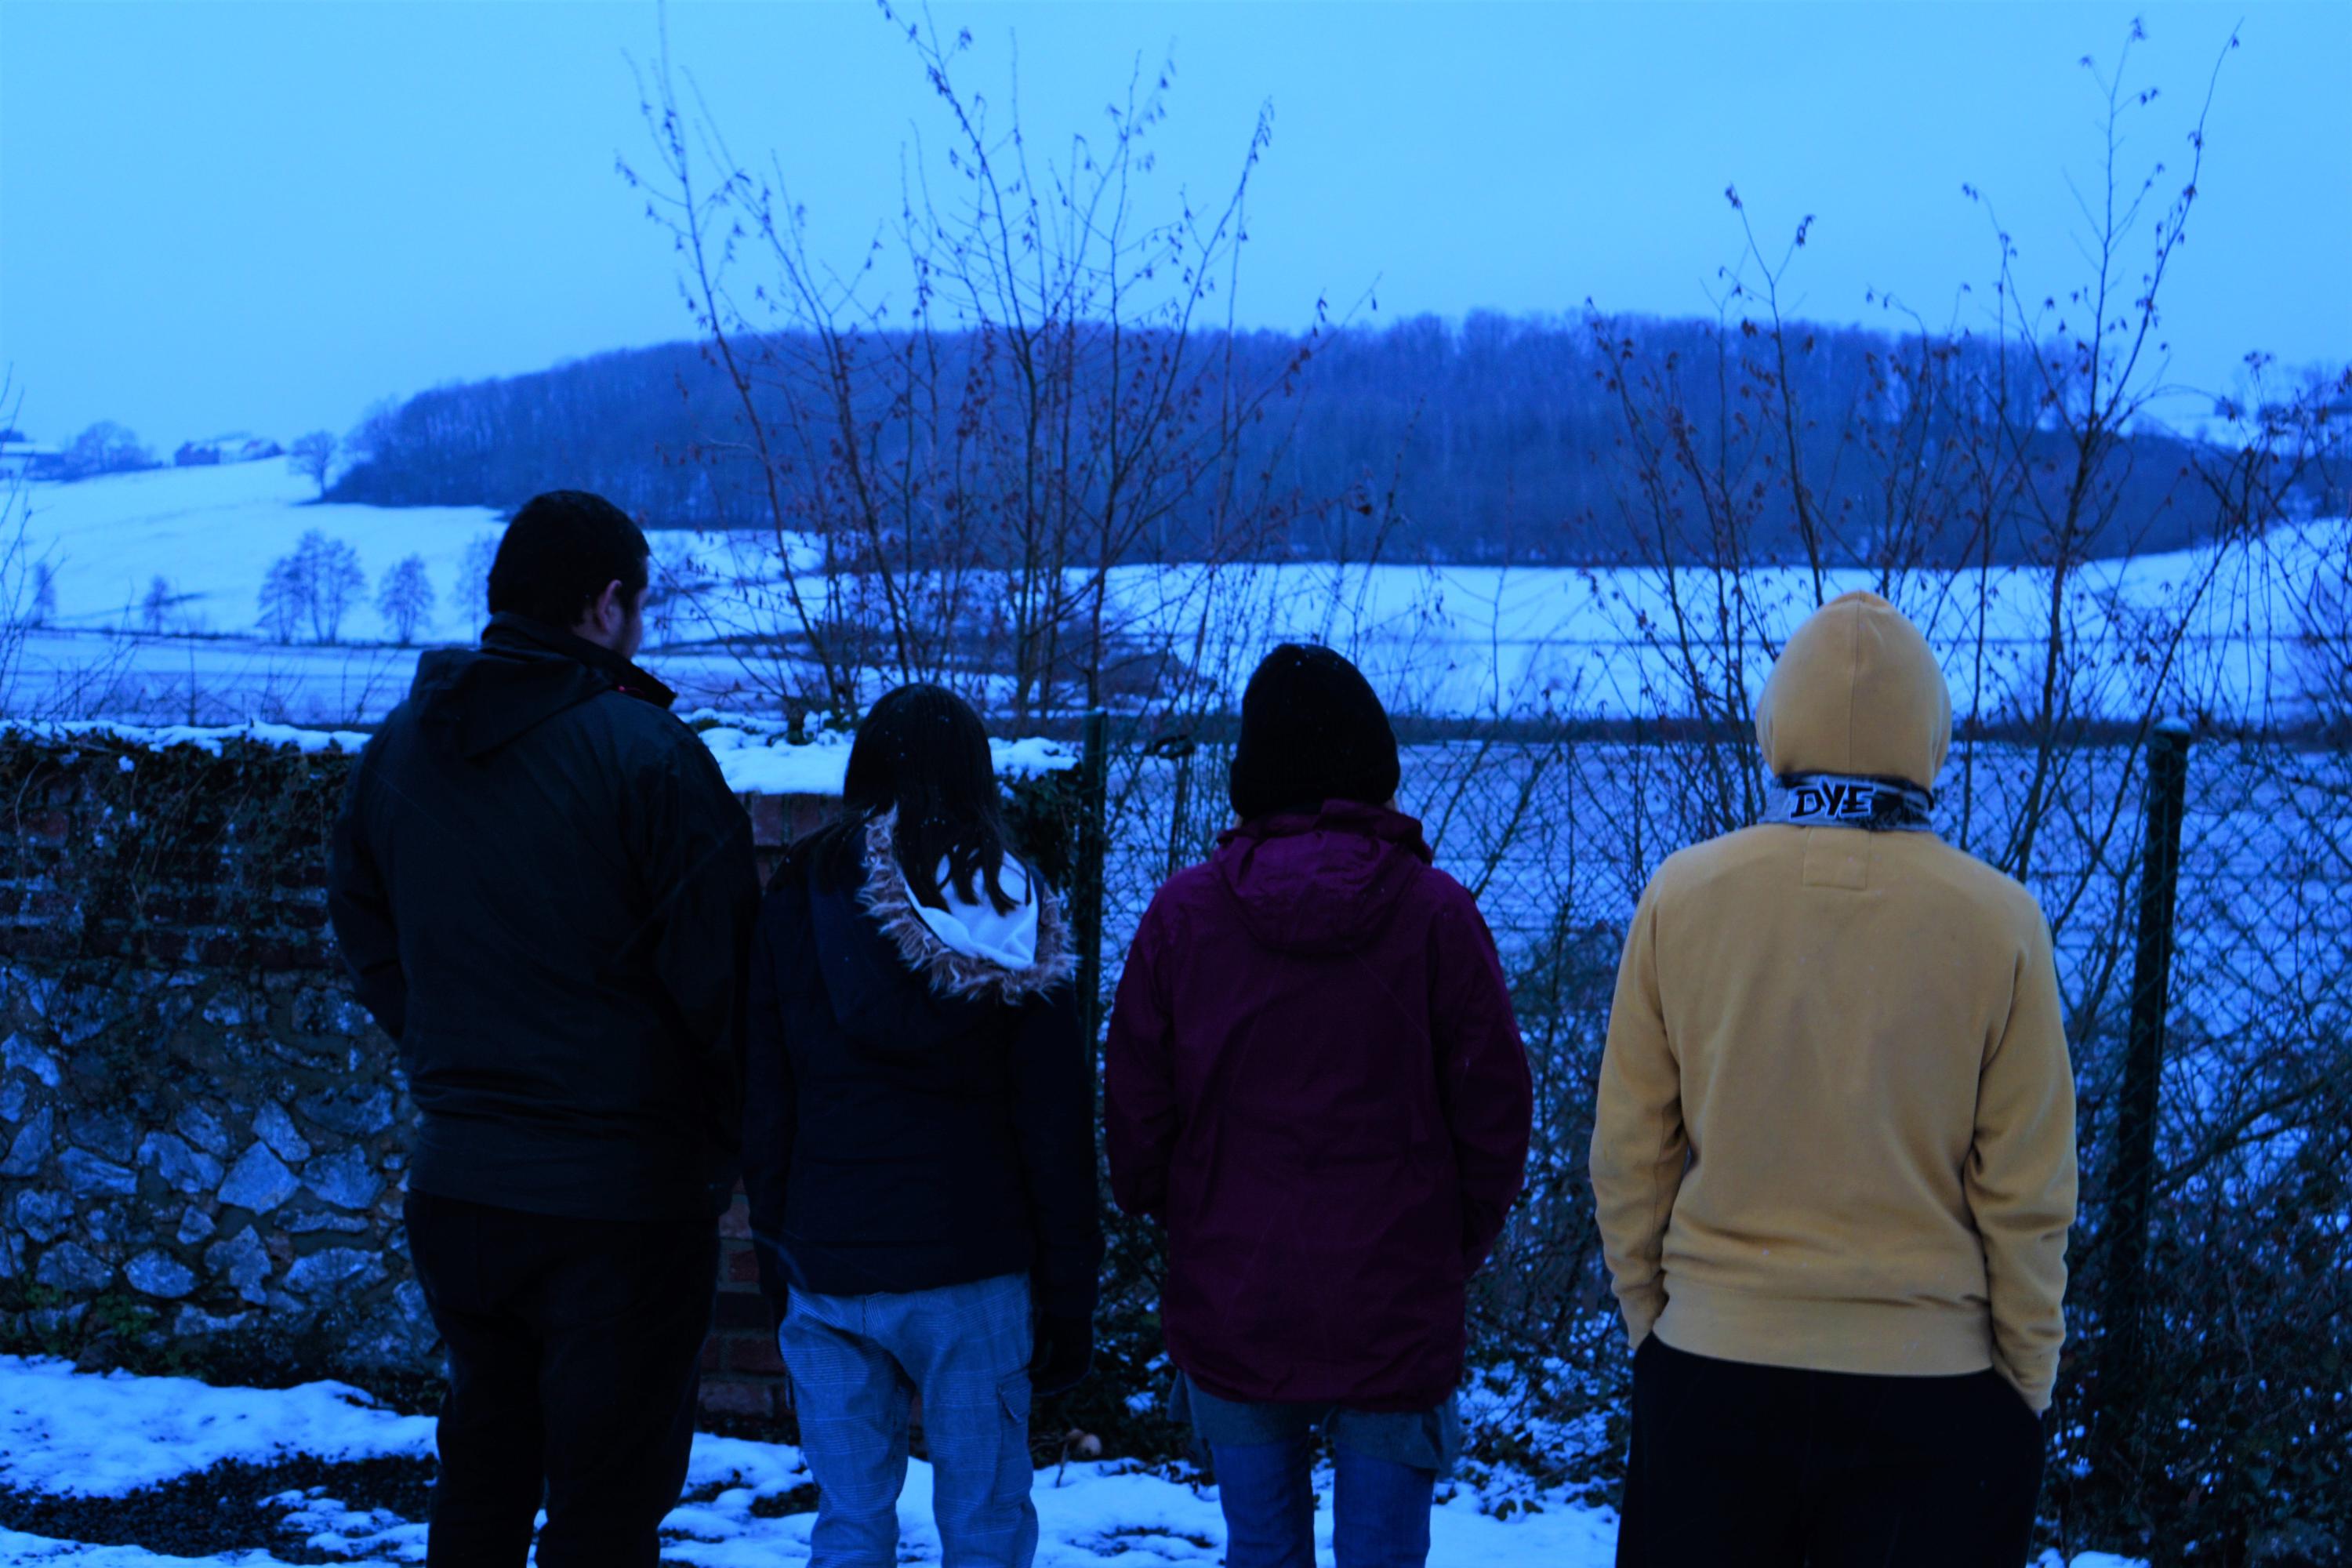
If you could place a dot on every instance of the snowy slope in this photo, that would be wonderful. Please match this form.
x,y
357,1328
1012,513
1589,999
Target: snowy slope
x,y
212,532
1439,640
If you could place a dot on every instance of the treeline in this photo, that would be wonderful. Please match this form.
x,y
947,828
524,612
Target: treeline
x,y
1499,440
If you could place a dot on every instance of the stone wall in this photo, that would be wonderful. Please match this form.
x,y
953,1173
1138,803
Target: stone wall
x,y
202,1136
252,1183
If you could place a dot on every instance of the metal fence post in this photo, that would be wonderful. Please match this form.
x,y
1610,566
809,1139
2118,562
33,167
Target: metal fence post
x,y
2123,1300
1086,876
1179,750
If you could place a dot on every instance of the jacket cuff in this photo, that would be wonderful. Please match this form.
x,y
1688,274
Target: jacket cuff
x,y
2035,1387
1642,1312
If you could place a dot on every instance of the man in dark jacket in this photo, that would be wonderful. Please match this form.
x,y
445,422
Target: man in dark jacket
x,y
1315,1081
545,890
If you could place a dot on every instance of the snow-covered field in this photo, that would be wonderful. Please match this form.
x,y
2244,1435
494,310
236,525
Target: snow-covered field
x,y
70,1435
1440,640
211,534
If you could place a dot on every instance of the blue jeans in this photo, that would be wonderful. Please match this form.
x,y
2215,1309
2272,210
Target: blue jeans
x,y
856,1362
1385,1478
1380,1508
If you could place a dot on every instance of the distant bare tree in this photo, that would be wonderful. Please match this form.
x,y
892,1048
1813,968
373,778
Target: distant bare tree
x,y
45,593
317,586
405,599
473,589
155,609
313,458
336,582
285,599
106,447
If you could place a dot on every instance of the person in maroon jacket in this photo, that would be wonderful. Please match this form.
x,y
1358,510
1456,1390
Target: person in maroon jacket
x,y
1316,1083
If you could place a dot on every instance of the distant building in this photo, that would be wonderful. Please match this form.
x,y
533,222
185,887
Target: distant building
x,y
29,459
234,448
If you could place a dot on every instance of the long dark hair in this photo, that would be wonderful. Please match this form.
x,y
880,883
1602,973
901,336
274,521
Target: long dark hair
x,y
922,751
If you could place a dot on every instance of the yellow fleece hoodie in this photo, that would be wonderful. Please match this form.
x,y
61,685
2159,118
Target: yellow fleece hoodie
x,y
1836,1119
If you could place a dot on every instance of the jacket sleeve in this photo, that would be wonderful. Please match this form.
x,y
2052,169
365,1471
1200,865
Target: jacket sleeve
x,y
359,906
1639,1141
770,1105
706,896
1054,1123
1139,1115
1482,1077
2020,1176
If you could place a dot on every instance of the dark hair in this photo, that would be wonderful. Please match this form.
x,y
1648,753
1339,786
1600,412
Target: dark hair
x,y
923,752
560,551
1313,730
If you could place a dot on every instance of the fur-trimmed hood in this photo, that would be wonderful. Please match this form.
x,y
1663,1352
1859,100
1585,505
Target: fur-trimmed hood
x,y
953,970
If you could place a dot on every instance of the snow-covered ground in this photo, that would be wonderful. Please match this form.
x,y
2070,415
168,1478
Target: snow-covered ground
x,y
1438,640
74,1434
66,1433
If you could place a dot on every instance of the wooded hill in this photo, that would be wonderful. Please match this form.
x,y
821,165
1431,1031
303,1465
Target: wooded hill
x,y
1499,440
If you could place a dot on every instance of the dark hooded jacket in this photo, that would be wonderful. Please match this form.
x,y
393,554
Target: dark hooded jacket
x,y
1314,1080
915,1118
544,890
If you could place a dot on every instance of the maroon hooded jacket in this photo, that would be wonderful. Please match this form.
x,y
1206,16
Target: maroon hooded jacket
x,y
1315,1081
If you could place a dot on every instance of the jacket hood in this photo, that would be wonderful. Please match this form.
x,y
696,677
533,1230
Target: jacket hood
x,y
895,985
474,700
949,949
1320,883
1856,691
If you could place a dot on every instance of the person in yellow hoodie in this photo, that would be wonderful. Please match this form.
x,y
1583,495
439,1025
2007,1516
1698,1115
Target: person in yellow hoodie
x,y
1833,1151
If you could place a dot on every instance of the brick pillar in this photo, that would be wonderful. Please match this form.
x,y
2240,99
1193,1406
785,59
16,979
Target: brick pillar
x,y
741,1373
742,1377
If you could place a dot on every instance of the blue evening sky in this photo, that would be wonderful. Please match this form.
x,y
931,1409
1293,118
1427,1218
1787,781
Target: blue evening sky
x,y
266,215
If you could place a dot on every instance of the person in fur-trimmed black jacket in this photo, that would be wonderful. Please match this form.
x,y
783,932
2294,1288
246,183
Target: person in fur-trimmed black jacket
x,y
916,1116
919,1138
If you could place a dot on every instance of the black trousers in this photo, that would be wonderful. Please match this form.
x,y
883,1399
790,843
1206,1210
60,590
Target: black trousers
x,y
575,1352
1771,1467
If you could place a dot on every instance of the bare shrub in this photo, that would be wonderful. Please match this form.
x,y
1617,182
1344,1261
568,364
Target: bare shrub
x,y
957,458
2004,438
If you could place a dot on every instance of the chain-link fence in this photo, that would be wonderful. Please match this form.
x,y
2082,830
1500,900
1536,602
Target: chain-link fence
x,y
2239,1410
